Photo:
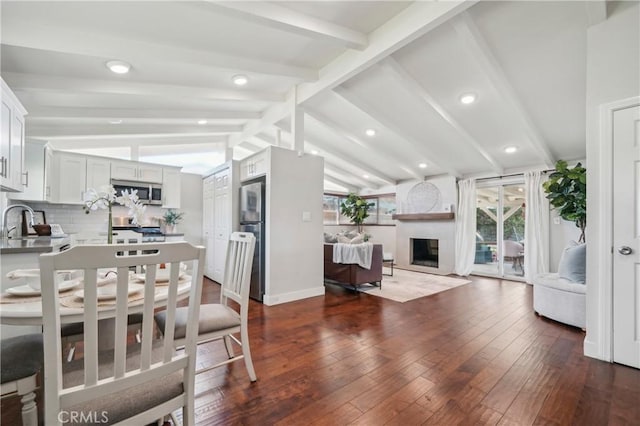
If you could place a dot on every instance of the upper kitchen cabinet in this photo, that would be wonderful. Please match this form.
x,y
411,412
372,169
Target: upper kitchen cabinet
x,y
137,172
254,166
12,177
69,175
98,172
68,178
34,173
171,188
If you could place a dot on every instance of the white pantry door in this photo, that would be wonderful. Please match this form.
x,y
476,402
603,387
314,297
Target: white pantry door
x,y
626,236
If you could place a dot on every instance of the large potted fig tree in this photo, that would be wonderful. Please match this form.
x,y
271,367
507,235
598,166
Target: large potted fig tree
x,y
566,190
356,208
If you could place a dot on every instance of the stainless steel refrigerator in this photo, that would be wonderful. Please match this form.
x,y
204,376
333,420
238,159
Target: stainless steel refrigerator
x,y
252,216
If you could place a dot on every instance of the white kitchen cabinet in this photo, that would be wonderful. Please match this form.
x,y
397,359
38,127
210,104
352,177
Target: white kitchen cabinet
x,y
135,171
220,193
171,188
69,177
207,224
222,221
12,177
34,173
98,172
254,166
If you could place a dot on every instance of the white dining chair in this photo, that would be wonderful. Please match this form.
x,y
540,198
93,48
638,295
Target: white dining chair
x,y
129,384
21,358
221,320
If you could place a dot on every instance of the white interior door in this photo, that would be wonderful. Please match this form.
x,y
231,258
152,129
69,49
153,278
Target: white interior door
x,y
626,236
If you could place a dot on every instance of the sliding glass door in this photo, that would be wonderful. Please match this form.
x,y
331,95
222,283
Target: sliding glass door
x,y
500,230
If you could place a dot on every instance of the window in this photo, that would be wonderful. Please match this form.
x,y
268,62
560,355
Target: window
x,y
331,209
380,214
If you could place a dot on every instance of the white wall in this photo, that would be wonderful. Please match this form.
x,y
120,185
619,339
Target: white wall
x,y
191,205
294,247
613,70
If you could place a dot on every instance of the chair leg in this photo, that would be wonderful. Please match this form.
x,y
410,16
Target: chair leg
x,y
228,345
246,351
26,388
29,409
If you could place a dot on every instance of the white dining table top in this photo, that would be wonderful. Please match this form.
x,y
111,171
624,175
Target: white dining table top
x,y
30,313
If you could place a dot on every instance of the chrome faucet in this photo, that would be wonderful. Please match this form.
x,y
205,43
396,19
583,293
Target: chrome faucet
x,y
5,225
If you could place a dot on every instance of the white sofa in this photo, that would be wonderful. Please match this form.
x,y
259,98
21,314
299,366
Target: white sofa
x,y
560,299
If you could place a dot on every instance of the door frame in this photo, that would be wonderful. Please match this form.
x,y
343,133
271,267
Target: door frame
x,y
598,342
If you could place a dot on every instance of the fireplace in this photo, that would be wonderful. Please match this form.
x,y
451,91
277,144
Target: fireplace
x,y
424,252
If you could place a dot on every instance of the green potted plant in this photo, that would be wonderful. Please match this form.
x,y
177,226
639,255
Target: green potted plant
x,y
171,219
566,190
356,208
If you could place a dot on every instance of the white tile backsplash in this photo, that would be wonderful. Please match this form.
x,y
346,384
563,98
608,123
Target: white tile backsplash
x,y
73,219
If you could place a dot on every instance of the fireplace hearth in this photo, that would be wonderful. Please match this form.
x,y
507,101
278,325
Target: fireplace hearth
x,y
424,252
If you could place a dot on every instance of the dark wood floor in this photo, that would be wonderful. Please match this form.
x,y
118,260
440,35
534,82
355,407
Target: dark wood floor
x,y
476,354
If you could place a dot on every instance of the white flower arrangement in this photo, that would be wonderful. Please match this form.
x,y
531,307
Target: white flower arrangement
x,y
106,196
104,199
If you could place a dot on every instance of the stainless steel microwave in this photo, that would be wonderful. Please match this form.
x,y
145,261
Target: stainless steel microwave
x,y
148,193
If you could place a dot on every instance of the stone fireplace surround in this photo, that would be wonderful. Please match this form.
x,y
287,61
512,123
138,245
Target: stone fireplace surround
x,y
440,229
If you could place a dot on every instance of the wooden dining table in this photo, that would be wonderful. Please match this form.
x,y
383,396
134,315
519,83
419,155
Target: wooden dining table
x,y
27,311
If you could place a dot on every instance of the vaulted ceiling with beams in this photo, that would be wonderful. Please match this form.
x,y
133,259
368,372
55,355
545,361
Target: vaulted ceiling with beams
x,y
398,69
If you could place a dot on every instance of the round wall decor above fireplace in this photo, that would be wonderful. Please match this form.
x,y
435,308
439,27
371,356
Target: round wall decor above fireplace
x,y
423,198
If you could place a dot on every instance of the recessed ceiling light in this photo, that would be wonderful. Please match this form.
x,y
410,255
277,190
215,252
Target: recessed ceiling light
x,y
202,121
365,176
370,132
520,189
314,152
422,165
240,80
115,121
119,67
468,98
510,149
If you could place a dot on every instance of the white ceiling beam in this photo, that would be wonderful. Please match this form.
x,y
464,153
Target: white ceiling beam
x,y
349,187
413,22
413,88
66,133
343,155
408,25
477,47
408,141
272,115
36,82
596,11
64,40
128,142
381,153
279,17
341,173
329,163
46,112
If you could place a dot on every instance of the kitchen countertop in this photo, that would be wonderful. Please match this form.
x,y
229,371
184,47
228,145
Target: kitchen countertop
x,y
32,245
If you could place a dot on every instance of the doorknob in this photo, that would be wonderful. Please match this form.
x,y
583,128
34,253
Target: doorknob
x,y
625,250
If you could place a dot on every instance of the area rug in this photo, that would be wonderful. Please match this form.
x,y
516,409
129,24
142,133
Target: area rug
x,y
408,285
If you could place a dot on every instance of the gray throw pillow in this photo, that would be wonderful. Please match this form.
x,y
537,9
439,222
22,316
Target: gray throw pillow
x,y
330,238
573,263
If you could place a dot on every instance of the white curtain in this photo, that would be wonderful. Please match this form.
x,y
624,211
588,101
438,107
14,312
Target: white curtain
x,y
466,227
536,227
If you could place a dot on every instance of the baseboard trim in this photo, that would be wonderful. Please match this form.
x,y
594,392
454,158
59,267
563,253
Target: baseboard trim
x,y
278,299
